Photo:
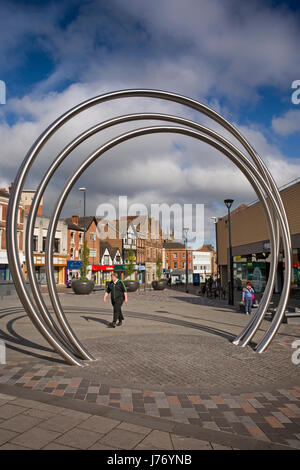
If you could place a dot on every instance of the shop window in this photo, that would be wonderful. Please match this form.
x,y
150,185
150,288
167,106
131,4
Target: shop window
x,y
56,245
35,243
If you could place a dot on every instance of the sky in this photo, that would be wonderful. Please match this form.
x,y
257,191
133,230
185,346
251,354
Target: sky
x,y
239,58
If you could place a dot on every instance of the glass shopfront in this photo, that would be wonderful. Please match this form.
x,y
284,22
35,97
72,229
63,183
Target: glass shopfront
x,y
245,269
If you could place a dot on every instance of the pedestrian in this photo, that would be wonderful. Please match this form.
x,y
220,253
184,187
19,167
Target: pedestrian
x,y
118,293
248,297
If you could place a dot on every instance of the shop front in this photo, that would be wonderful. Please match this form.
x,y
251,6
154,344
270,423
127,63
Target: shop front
x,y
73,270
101,273
59,268
246,269
141,272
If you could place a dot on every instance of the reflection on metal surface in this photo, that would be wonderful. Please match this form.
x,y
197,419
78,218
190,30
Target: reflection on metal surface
x,y
64,340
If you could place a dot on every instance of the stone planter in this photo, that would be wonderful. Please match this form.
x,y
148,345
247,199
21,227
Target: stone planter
x,y
131,286
82,287
159,285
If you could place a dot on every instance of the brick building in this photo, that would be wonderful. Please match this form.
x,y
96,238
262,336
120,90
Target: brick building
x,y
27,196
4,269
141,235
76,228
175,259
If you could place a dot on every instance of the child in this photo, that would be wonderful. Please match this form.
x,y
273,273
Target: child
x,y
248,296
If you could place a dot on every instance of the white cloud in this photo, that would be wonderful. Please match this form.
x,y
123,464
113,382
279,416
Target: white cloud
x,y
287,124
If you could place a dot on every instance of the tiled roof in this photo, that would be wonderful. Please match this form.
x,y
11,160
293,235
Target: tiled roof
x,y
173,246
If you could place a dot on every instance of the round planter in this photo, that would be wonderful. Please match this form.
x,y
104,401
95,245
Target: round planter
x,y
159,285
82,287
131,286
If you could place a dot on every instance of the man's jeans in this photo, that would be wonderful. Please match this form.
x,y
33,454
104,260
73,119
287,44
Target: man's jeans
x,y
248,304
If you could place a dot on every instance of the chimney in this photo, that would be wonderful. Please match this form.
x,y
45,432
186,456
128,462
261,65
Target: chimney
x,y
10,188
75,219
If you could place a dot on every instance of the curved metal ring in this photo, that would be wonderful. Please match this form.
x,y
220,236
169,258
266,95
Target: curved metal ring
x,y
52,336
250,175
39,193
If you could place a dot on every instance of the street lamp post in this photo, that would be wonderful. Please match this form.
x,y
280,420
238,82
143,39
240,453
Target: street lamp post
x,y
228,203
215,221
185,231
84,227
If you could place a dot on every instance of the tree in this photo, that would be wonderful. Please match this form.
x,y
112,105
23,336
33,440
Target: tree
x,y
131,262
85,253
159,266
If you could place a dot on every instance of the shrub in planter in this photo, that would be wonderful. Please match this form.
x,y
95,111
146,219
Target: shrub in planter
x,y
159,284
83,285
131,285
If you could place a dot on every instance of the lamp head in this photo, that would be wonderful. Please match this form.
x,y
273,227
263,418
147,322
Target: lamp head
x,y
228,203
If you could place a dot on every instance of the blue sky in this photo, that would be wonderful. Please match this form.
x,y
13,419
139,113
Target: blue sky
x,y
240,58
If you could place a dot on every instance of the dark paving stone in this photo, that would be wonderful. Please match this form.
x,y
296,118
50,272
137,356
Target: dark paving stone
x,y
164,412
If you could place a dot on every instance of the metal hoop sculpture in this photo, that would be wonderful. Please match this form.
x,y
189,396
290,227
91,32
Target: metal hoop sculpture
x,y
64,341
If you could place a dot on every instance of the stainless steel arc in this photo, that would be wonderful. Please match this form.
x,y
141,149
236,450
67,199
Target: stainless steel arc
x,y
249,174
66,343
49,249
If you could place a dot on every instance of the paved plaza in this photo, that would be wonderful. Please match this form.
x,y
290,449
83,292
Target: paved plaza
x,y
169,378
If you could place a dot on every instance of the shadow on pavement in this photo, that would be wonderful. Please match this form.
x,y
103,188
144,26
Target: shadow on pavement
x,y
13,338
173,321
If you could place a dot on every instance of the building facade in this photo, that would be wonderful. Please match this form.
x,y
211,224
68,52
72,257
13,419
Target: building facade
x,y
4,268
204,262
175,257
251,245
80,228
39,245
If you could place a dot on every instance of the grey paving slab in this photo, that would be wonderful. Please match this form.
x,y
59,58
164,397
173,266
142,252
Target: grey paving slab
x,y
56,446
25,403
20,423
35,438
79,438
8,410
134,428
189,443
102,446
220,447
156,440
99,424
60,423
42,414
123,439
10,446
6,435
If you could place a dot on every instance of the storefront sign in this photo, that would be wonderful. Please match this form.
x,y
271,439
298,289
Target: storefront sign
x,y
72,264
140,267
39,260
102,267
120,267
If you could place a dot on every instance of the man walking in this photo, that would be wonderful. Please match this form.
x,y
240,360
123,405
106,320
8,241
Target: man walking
x,y
118,293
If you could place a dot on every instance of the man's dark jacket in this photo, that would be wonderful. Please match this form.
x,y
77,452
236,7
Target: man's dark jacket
x,y
117,290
